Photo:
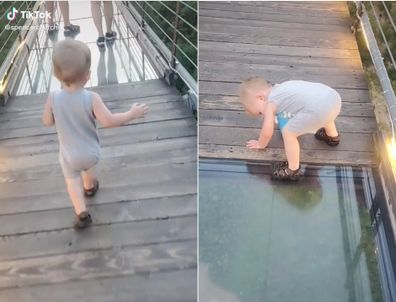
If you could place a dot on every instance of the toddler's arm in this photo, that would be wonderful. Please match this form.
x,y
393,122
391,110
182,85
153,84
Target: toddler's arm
x,y
108,119
266,131
48,117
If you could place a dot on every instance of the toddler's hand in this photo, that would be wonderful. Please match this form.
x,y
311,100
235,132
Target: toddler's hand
x,y
139,110
254,144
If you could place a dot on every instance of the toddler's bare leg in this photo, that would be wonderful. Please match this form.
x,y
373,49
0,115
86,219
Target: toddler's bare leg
x,y
89,178
108,13
76,193
97,16
292,149
331,129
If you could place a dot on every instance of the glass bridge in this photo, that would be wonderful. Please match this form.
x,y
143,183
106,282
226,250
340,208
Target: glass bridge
x,y
320,239
122,62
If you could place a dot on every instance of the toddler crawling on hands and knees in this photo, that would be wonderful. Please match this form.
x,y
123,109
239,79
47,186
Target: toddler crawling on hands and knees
x,y
74,111
299,107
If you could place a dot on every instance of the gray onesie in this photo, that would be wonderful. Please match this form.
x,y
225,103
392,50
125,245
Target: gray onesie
x,y
304,107
76,128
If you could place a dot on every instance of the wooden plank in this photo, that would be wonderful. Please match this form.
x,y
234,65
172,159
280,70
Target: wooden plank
x,y
99,264
36,121
325,157
107,136
173,185
261,38
98,237
220,89
23,108
232,136
170,154
142,89
239,119
299,12
153,116
102,214
171,286
232,103
268,16
278,36
110,152
152,159
55,184
282,60
335,7
233,72
226,19
309,52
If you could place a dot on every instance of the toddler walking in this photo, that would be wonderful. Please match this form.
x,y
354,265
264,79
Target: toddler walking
x,y
299,107
74,111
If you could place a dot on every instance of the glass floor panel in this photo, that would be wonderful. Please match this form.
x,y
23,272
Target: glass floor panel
x,y
262,240
122,62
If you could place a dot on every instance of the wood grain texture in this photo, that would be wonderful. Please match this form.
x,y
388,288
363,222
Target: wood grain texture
x,y
220,89
280,41
147,286
232,104
142,244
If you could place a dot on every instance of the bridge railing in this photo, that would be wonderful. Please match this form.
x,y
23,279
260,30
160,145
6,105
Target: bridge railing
x,y
168,31
379,29
16,39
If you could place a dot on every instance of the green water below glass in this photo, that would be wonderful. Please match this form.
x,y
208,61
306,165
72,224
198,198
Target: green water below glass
x,y
268,241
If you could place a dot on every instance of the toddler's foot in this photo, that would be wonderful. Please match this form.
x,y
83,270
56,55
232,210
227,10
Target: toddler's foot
x,y
330,140
92,191
71,30
82,220
281,171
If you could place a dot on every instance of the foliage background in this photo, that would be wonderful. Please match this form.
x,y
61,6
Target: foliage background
x,y
158,15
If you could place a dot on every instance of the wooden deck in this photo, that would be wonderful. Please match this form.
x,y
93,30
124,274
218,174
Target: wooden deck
x,y
142,244
280,41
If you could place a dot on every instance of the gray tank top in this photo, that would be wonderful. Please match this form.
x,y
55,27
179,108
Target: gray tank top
x,y
293,96
75,124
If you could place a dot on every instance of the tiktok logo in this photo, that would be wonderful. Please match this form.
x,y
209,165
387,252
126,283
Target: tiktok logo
x,y
12,15
28,14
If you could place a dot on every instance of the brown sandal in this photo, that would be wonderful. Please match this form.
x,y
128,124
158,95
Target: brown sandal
x,y
281,171
82,220
91,192
330,140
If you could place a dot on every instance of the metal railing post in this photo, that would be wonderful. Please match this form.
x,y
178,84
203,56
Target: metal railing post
x,y
174,39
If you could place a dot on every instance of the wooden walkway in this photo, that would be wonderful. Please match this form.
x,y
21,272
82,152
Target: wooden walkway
x,y
280,41
142,244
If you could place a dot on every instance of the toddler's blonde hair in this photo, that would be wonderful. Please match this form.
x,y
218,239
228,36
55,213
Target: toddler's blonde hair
x,y
251,86
71,60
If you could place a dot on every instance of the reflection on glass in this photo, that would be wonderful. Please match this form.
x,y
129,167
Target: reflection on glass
x,y
262,240
107,73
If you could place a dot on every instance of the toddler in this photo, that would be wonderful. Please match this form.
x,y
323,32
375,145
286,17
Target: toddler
x,y
74,111
299,107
